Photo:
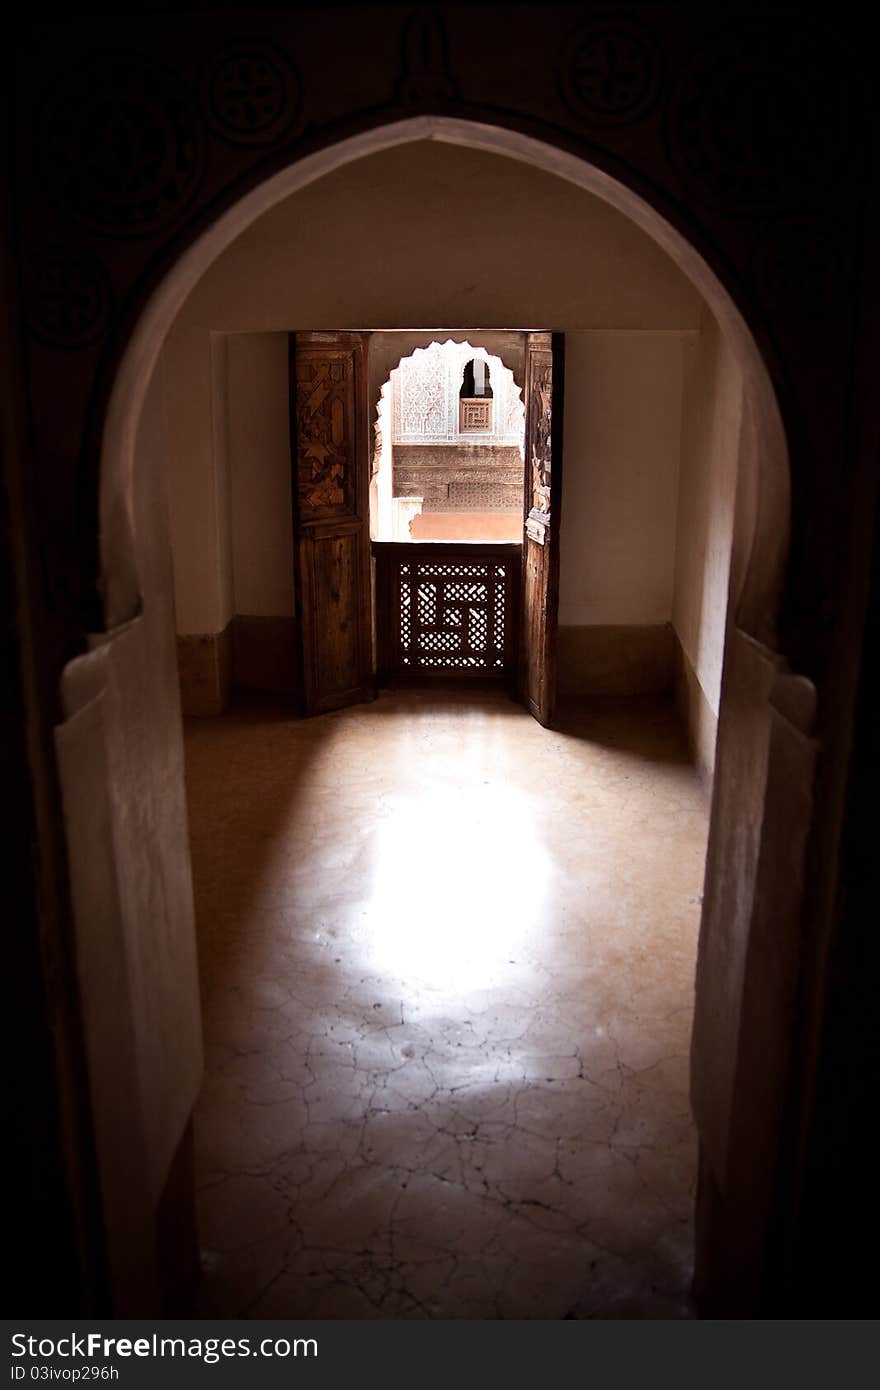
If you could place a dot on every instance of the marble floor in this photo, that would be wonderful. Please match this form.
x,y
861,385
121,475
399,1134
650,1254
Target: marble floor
x,y
447,962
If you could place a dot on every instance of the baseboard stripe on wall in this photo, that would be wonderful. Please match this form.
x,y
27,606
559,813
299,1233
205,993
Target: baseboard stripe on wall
x,y
697,716
204,664
616,659
251,653
264,654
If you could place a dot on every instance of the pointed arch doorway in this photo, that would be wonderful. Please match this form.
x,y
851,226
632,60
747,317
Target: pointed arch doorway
x,y
757,566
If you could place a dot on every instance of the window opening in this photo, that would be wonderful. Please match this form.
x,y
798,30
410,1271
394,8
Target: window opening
x,y
448,462
475,397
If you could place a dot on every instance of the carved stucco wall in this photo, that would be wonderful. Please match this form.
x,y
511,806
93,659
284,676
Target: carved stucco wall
x,y
473,472
425,393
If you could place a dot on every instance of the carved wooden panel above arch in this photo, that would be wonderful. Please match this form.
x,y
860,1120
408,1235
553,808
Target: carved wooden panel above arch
x,y
762,121
611,70
425,73
252,92
123,145
69,298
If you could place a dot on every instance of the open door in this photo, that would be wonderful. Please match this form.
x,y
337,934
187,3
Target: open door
x,y
329,444
542,497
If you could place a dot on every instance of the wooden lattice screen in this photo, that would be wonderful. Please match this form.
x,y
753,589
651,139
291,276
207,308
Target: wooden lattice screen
x,y
447,610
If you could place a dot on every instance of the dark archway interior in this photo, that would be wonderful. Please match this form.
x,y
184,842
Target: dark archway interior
x,y
469,387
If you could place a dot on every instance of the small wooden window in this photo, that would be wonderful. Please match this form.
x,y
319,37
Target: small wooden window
x,y
475,397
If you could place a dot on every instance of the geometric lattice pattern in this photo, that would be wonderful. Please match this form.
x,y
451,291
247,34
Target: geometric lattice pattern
x,y
474,415
453,616
426,406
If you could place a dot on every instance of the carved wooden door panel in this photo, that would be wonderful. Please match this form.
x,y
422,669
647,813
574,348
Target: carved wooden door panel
x,y
329,443
542,499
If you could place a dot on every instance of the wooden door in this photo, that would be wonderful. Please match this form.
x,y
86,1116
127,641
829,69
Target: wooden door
x,y
329,444
542,499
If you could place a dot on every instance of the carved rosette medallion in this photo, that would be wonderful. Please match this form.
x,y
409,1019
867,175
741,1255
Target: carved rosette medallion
x,y
123,145
252,93
761,119
611,71
69,298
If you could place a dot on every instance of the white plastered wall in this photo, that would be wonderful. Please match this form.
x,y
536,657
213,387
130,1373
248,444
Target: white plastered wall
x,y
621,448
712,443
258,453
131,836
192,398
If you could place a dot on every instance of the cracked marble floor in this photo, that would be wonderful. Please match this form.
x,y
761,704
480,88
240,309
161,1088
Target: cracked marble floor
x,y
447,961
